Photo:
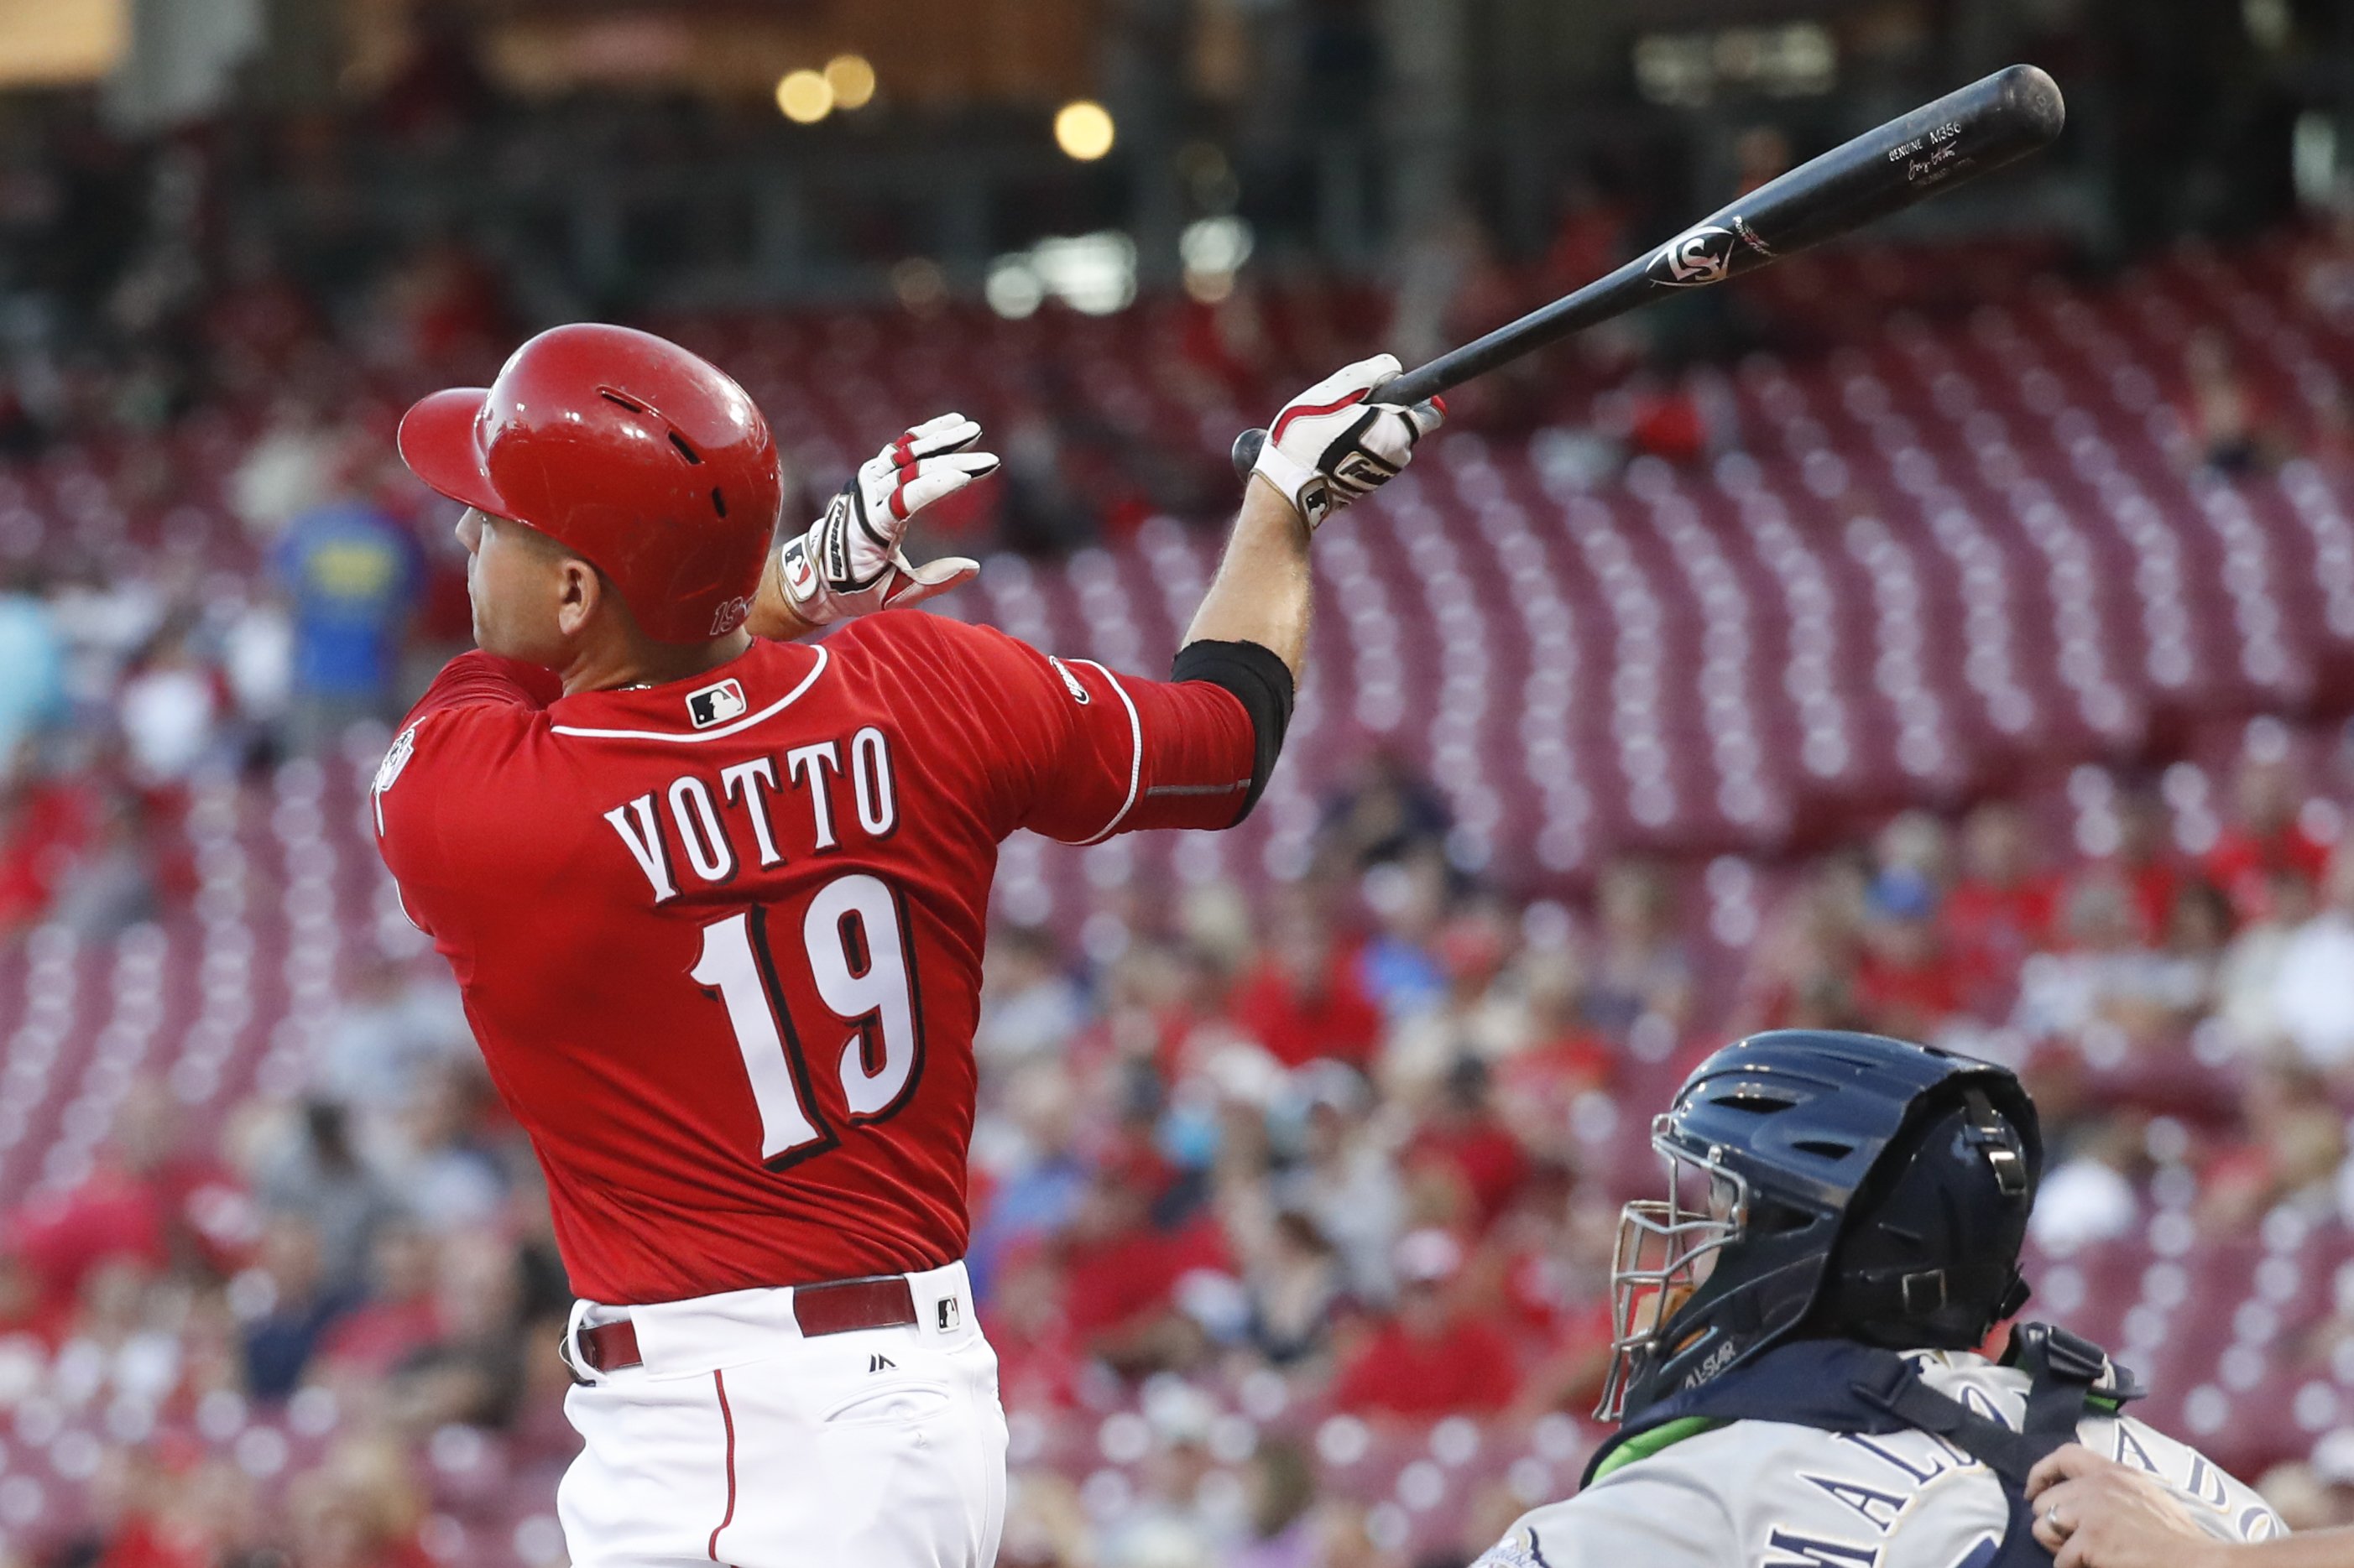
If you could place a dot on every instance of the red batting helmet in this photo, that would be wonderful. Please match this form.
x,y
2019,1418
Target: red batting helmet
x,y
651,463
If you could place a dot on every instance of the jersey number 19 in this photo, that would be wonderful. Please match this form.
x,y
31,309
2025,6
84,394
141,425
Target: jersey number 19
x,y
854,937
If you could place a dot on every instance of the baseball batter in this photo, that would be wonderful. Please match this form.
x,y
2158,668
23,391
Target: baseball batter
x,y
716,902
1795,1377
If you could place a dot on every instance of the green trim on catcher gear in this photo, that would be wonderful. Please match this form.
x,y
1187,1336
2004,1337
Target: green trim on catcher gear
x,y
1643,1445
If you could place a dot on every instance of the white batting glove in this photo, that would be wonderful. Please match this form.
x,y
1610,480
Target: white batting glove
x,y
850,561
1332,444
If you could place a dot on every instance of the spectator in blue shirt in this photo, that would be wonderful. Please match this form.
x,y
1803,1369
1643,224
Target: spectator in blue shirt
x,y
350,574
32,670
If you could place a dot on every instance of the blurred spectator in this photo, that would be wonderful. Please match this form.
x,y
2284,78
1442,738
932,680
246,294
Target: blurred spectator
x,y
447,1175
45,823
2091,1192
350,573
1400,968
286,1302
148,1199
1640,967
2247,979
2108,976
1471,1017
399,1316
391,1027
32,669
1306,1000
1030,1154
2145,857
314,1172
473,1372
2294,1148
1906,982
1282,1492
170,704
1344,1178
2313,1000
1296,1284
291,469
1383,813
1029,1006
2002,907
1562,1057
1121,1271
363,1508
1041,1365
1428,1358
2265,837
1464,1137
2227,418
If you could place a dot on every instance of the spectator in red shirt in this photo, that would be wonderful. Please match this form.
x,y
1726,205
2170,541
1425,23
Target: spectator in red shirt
x,y
1039,1361
1428,1358
1121,1273
2001,908
1906,982
400,1316
1464,1136
1305,1000
2266,838
1564,1058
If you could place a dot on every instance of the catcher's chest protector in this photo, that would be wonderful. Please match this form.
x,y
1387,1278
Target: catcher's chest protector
x,y
1838,1385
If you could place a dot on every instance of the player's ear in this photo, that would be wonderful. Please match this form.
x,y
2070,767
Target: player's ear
x,y
578,593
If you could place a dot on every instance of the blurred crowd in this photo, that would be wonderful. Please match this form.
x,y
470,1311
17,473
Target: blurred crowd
x,y
1352,1148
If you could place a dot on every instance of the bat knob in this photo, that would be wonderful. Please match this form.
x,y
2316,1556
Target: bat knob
x,y
1247,446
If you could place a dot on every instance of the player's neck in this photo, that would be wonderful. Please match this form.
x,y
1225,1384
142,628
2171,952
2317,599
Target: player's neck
x,y
641,661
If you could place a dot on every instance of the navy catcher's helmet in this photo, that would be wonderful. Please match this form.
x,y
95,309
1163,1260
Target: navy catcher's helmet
x,y
1822,1183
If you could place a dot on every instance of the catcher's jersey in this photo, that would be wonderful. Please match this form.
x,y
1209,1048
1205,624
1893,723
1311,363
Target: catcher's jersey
x,y
720,940
1770,1495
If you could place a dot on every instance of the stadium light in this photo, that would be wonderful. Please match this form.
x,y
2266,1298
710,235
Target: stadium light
x,y
1084,130
805,96
851,78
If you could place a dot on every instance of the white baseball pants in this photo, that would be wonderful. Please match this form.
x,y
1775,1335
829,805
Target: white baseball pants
x,y
738,1441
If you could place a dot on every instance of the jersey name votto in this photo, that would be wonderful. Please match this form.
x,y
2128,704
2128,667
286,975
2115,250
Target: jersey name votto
x,y
710,824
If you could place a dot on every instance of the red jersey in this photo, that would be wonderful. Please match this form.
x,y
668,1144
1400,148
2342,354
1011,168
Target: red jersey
x,y
720,940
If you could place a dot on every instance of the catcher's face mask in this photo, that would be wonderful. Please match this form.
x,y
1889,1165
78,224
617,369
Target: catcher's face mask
x,y
1665,1252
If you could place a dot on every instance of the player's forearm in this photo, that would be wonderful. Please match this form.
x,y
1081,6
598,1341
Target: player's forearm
x,y
1262,591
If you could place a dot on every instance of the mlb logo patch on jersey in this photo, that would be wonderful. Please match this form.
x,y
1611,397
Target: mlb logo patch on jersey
x,y
716,705
951,1314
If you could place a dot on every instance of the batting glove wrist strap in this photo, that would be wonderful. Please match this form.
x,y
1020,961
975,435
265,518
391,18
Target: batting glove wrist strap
x,y
1333,444
850,561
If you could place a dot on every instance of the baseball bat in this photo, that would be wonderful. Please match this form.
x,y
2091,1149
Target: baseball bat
x,y
1943,145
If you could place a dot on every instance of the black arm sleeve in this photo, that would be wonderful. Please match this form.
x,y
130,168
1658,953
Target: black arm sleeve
x,y
1262,683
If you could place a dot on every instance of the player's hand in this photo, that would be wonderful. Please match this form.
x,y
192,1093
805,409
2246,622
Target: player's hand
x,y
850,561
2091,1513
1333,443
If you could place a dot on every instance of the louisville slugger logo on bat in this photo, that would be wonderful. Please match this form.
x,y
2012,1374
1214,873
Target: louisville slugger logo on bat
x,y
1703,255
1694,259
